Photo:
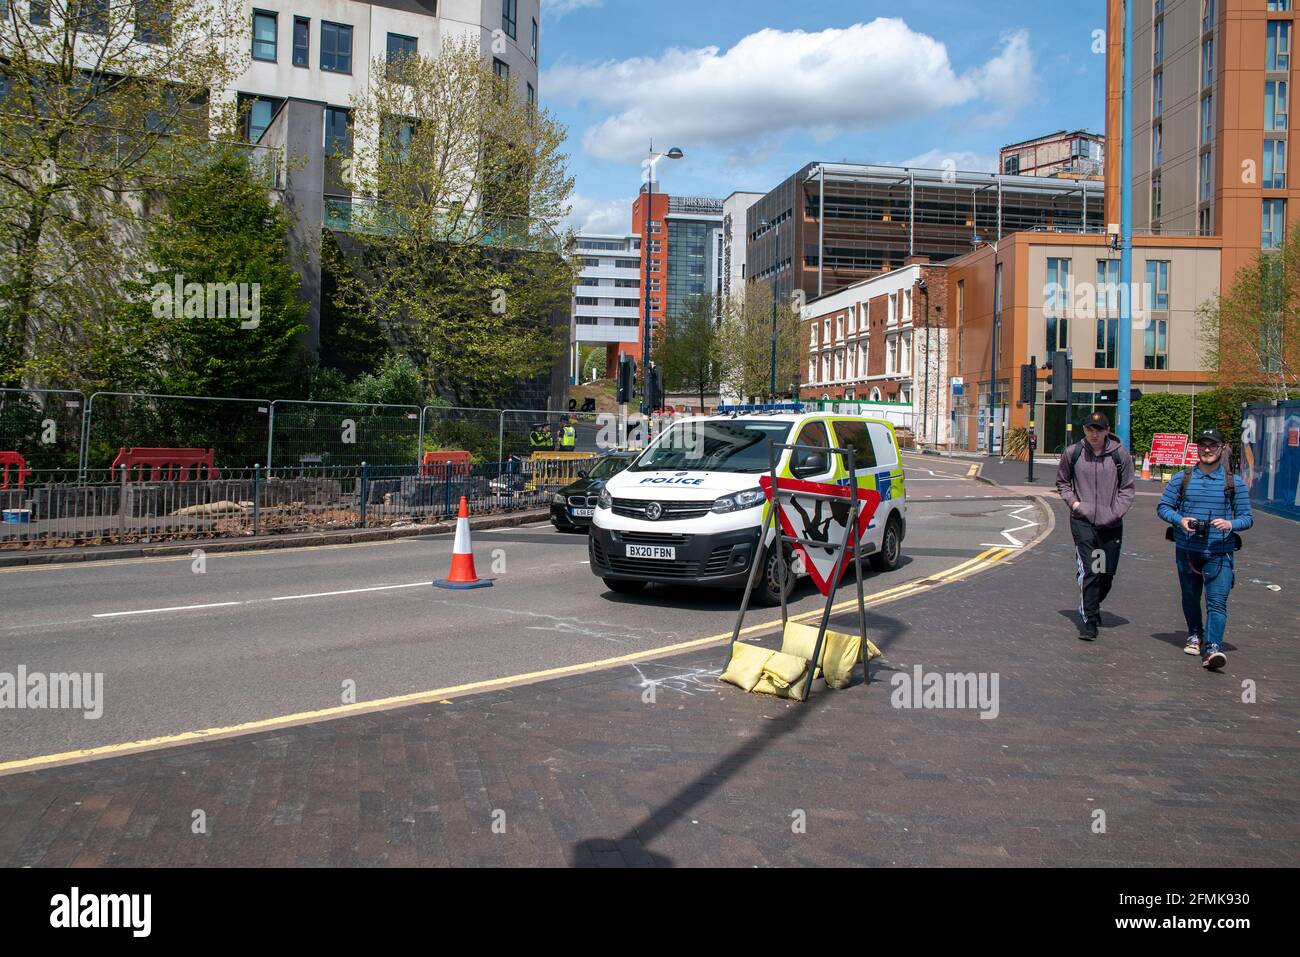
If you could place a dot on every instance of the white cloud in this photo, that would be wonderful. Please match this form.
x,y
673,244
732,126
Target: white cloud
x,y
965,160
774,82
600,215
554,9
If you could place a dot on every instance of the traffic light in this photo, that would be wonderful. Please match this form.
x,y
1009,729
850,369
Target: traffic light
x,y
1059,379
1028,378
656,398
626,378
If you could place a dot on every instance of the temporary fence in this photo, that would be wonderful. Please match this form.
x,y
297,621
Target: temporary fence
x,y
1270,455
43,426
106,506
313,433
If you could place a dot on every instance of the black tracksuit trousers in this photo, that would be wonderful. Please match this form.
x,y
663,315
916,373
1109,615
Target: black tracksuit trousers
x,y
1097,559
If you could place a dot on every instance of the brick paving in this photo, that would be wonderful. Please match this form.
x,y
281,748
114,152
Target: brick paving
x,y
585,771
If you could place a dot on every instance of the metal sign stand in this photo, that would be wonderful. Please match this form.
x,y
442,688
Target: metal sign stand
x,y
842,548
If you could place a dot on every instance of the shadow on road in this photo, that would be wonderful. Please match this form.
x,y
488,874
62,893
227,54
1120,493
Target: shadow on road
x,y
630,850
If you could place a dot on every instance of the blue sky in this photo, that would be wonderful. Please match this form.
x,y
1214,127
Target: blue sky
x,y
753,89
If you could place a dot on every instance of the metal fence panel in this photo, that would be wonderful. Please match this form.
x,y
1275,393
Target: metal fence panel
x,y
477,431
306,433
236,429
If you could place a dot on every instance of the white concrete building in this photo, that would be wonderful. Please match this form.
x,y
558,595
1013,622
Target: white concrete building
x,y
607,300
735,232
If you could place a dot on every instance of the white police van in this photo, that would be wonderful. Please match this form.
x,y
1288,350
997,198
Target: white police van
x,y
689,509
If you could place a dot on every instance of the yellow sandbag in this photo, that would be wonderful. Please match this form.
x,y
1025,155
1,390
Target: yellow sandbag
x,y
840,651
872,650
793,691
746,665
784,669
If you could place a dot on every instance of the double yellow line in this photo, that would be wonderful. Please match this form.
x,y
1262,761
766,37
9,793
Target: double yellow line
x,y
980,562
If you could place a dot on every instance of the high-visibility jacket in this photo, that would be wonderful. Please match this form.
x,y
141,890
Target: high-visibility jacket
x,y
568,437
538,440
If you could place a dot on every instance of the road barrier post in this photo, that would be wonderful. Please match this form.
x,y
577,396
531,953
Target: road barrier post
x,y
363,494
257,495
121,507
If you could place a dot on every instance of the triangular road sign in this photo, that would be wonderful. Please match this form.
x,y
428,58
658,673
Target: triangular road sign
x,y
820,520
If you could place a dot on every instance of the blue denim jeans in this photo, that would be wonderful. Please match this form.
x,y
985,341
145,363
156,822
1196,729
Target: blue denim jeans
x,y
1212,576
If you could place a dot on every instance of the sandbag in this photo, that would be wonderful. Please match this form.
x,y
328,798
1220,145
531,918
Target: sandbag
x,y
746,665
840,651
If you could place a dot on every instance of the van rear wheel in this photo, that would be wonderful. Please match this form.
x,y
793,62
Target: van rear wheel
x,y
624,586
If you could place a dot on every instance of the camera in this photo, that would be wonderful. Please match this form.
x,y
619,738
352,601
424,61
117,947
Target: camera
x,y
1200,528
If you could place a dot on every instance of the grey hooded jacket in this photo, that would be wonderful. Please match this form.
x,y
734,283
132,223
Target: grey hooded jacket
x,y
1103,490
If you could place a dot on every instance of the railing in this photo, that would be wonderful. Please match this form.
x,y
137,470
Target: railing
x,y
103,506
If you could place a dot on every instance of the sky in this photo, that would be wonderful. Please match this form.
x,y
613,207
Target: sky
x,y
751,90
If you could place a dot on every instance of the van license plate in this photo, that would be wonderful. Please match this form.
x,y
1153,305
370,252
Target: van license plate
x,y
582,512
662,552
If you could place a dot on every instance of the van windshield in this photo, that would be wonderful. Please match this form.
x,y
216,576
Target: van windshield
x,y
725,445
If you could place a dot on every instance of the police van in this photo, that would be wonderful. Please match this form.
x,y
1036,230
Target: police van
x,y
689,509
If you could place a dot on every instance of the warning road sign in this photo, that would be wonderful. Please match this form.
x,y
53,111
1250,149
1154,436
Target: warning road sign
x,y
820,514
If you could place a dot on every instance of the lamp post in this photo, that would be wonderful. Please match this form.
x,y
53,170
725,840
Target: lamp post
x,y
776,265
649,166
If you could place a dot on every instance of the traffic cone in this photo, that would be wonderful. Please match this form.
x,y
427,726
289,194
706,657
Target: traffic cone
x,y
1146,468
462,557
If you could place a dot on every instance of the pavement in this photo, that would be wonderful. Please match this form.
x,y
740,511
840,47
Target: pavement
x,y
1119,752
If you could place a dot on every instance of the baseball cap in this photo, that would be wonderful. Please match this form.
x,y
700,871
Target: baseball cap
x,y
1097,420
1209,435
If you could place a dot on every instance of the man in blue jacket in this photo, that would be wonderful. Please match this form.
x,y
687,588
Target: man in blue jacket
x,y
1207,506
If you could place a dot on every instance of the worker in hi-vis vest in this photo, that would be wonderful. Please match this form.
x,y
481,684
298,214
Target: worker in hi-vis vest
x,y
568,436
539,437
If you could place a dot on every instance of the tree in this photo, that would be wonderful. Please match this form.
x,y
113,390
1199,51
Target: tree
x,y
745,344
1251,333
457,253
218,313
100,104
689,349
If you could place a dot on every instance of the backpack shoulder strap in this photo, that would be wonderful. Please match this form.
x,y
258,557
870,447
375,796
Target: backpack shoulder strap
x,y
1182,488
1074,457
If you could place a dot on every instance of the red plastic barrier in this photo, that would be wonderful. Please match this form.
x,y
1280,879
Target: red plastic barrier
x,y
166,465
23,473
445,457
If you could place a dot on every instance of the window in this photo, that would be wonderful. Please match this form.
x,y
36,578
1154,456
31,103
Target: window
x,y
1155,195
264,36
628,303
1274,164
38,12
1277,49
1157,285
1279,6
1207,15
301,41
95,17
258,116
502,70
1055,301
335,47
1272,224
1205,189
1207,63
812,337
1011,165
1275,104
1158,43
400,49
1157,145
586,300
1205,221
1157,94
338,138
1107,286
509,15
854,435
1207,119
532,98
1106,345
839,328
1157,345
152,21
812,370
534,40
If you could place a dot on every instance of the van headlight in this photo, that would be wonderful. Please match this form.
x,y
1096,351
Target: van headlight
x,y
746,498
605,500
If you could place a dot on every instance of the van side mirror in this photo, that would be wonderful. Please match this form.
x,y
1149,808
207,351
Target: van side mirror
x,y
809,463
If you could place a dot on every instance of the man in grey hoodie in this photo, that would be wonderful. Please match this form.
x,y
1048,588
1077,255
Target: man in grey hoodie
x,y
1095,479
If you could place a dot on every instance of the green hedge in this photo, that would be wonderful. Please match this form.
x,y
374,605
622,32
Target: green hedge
x,y
1172,412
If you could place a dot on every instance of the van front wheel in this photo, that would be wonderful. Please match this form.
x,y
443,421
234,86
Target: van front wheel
x,y
767,590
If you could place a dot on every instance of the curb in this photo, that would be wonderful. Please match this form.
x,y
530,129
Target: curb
x,y
105,553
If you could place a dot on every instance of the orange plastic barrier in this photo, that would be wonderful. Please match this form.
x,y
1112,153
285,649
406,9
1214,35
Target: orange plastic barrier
x,y
22,472
445,457
166,465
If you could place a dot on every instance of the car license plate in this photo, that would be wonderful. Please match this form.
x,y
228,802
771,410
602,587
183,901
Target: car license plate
x,y
582,512
665,553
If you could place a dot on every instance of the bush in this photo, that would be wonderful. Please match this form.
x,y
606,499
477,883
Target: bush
x,y
1172,412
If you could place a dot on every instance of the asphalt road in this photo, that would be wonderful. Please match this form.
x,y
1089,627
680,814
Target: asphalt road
x,y
259,635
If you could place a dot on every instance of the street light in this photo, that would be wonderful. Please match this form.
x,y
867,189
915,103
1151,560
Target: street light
x,y
776,265
649,166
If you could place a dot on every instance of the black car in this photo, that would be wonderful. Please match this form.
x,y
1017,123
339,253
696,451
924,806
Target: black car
x,y
573,505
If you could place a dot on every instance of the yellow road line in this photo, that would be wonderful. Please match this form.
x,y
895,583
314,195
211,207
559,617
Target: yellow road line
x,y
980,562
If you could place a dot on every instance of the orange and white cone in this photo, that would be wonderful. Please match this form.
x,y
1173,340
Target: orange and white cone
x,y
462,557
1146,468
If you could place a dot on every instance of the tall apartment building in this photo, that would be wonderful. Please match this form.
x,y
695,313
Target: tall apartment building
x,y
1070,153
683,250
607,299
1211,99
875,217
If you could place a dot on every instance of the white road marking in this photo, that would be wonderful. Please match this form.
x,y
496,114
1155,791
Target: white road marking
x,y
348,591
1011,540
154,611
